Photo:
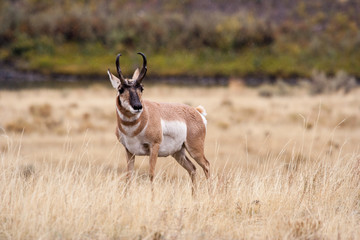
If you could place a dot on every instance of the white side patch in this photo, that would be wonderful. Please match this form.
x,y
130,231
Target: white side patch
x,y
174,135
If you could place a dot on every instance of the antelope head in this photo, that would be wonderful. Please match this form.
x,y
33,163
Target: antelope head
x,y
129,90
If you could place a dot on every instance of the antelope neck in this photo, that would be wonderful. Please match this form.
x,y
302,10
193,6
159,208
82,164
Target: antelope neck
x,y
128,119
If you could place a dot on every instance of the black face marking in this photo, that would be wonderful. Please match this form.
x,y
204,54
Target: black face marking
x,y
134,99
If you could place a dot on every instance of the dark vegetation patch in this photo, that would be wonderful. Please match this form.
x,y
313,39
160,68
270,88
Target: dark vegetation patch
x,y
281,38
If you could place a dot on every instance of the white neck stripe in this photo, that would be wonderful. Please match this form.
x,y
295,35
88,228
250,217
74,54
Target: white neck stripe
x,y
130,129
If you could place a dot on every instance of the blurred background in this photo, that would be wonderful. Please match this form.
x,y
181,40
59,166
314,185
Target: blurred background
x,y
210,41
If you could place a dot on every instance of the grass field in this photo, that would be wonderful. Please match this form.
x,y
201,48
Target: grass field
x,y
282,167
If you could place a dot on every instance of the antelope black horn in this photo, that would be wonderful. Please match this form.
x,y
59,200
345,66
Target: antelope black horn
x,y
143,70
122,79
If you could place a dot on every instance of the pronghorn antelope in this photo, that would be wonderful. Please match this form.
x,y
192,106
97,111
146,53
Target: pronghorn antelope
x,y
157,129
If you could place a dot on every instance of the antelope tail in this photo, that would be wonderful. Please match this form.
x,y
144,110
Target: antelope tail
x,y
201,110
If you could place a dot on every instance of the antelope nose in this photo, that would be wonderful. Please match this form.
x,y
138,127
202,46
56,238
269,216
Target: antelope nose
x,y
137,107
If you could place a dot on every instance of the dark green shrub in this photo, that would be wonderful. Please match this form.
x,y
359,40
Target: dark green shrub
x,y
22,45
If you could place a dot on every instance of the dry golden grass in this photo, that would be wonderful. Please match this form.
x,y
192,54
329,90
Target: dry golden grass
x,y
282,167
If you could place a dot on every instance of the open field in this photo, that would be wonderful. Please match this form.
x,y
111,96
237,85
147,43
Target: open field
x,y
282,167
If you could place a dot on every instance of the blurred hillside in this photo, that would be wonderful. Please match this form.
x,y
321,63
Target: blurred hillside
x,y
281,38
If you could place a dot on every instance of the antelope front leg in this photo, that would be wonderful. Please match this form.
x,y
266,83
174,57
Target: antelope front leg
x,y
130,158
154,150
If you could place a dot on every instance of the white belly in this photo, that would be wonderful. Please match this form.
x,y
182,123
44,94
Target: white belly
x,y
173,138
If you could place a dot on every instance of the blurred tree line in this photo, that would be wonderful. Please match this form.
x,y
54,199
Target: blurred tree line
x,y
311,31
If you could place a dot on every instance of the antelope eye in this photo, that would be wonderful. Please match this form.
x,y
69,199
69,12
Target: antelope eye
x,y
121,90
139,86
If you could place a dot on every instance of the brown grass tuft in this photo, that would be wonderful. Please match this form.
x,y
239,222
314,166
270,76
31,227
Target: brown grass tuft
x,y
307,228
42,111
27,171
19,125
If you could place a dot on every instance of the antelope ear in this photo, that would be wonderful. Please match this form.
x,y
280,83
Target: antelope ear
x,y
136,74
115,82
